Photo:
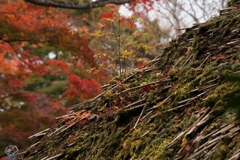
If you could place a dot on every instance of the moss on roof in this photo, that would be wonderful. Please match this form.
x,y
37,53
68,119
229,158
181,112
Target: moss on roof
x,y
174,108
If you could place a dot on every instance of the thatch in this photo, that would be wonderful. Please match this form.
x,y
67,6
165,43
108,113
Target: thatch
x,y
174,108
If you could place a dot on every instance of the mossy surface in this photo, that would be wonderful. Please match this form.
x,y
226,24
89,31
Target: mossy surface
x,y
171,109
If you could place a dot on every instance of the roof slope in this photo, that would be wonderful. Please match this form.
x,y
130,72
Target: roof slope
x,y
171,109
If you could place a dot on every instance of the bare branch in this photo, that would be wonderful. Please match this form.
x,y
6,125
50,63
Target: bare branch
x,y
77,5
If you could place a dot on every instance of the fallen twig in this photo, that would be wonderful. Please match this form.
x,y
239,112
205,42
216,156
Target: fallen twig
x,y
178,61
67,127
138,106
59,128
209,54
139,117
79,104
64,116
132,104
55,131
211,81
208,87
232,42
105,86
235,156
223,129
145,133
39,133
201,151
181,106
184,28
146,115
210,153
154,60
187,60
199,95
71,144
53,157
206,136
189,130
125,80
153,116
152,83
160,103
34,144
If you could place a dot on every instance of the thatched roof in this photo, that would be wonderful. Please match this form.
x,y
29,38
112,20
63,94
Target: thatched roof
x,y
174,108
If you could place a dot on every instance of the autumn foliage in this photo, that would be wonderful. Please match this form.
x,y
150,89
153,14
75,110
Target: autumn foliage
x,y
34,87
27,27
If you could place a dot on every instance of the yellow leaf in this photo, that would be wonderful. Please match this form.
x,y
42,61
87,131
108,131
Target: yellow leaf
x,y
72,31
100,25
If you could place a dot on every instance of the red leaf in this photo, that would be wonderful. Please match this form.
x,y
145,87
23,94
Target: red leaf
x,y
187,148
106,15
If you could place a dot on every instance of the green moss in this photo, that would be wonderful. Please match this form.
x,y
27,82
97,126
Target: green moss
x,y
221,151
150,97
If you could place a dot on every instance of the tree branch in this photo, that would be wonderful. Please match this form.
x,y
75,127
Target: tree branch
x,y
77,5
